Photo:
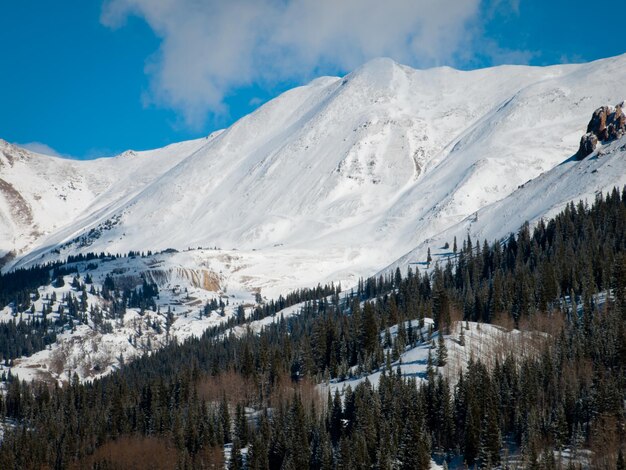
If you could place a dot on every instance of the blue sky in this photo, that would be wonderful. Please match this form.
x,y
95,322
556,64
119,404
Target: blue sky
x,y
91,78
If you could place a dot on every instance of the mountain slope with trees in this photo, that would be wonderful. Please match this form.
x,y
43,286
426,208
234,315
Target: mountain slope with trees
x,y
194,397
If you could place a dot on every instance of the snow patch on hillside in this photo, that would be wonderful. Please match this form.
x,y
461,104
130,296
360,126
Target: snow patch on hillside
x,y
95,349
484,342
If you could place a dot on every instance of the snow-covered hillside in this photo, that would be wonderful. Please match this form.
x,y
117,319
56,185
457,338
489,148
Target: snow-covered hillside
x,y
542,197
467,341
40,194
328,181
188,302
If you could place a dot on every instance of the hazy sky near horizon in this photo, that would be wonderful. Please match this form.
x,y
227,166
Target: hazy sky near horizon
x,y
93,78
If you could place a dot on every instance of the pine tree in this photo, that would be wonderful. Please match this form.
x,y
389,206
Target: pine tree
x,y
336,416
415,450
621,464
325,453
241,424
257,454
225,420
236,460
442,350
299,441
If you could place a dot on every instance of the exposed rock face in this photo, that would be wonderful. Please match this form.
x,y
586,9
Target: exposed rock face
x,y
19,207
617,126
202,278
597,125
588,144
607,123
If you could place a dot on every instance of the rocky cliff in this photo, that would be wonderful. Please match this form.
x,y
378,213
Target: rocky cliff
x,y
608,123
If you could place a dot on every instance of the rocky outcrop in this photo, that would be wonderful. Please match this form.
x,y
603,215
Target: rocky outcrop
x,y
202,278
617,127
588,143
607,124
21,212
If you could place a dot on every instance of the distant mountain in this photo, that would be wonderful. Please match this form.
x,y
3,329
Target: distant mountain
x,y
40,194
329,181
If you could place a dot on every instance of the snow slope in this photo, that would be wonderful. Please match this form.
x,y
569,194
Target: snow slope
x,y
90,350
40,194
333,180
542,197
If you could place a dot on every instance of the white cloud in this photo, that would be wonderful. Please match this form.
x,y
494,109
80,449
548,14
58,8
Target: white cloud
x,y
255,101
211,47
42,148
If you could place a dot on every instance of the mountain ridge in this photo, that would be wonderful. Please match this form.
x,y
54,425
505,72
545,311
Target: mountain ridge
x,y
344,175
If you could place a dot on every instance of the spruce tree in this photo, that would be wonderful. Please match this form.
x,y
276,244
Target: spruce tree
x,y
236,460
442,350
621,463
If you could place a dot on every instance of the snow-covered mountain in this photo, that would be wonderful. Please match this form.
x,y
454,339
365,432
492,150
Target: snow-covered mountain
x,y
40,194
329,181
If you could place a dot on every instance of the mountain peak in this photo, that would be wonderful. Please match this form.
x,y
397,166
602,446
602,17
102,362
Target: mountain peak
x,y
378,64
378,71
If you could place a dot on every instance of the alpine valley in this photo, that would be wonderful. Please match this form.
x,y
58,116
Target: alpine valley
x,y
396,205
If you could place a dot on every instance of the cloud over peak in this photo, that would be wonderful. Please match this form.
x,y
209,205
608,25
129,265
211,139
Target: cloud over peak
x,y
39,147
210,48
